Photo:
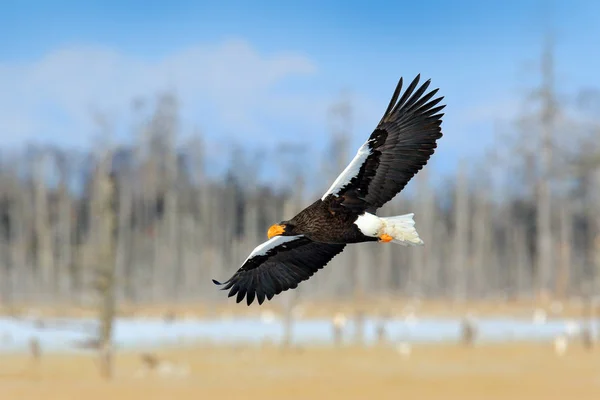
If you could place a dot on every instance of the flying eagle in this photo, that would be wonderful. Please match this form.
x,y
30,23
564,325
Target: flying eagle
x,y
397,149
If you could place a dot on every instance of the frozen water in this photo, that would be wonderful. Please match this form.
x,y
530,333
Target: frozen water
x,y
63,334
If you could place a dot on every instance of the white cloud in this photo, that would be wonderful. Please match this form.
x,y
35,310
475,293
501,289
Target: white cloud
x,y
55,95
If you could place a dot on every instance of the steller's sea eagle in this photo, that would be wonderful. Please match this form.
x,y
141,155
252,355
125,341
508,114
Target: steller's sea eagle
x,y
398,148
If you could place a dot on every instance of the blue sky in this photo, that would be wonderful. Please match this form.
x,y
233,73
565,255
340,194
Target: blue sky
x,y
266,71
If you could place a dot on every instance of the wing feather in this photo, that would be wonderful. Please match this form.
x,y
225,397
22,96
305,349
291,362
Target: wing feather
x,y
278,265
398,148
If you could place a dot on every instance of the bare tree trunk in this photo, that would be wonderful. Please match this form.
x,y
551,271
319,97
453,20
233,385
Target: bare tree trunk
x,y
172,230
523,279
290,300
45,257
21,265
592,277
424,214
123,240
481,242
107,274
359,296
6,267
103,216
6,293
563,278
65,256
544,232
461,234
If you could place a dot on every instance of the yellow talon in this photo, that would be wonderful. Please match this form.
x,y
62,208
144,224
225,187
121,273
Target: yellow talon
x,y
385,238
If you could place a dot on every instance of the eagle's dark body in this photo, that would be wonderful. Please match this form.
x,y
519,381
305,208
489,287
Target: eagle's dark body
x,y
326,221
400,145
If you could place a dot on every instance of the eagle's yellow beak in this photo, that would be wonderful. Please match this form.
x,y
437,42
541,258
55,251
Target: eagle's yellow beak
x,y
275,230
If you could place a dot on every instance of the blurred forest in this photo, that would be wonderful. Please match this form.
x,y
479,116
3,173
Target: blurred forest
x,y
147,223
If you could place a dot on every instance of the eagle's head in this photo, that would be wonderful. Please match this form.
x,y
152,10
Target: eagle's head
x,y
283,228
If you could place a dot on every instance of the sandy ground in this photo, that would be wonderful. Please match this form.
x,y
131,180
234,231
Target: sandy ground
x,y
508,371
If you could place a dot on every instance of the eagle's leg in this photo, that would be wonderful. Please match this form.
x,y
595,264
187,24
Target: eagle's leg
x,y
385,238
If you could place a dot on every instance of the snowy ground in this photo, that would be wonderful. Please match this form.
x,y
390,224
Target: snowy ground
x,y
63,334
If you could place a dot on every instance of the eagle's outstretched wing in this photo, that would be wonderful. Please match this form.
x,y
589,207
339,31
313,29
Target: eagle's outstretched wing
x,y
398,148
279,264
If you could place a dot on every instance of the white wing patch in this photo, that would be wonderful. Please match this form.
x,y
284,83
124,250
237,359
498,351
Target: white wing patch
x,y
351,170
263,249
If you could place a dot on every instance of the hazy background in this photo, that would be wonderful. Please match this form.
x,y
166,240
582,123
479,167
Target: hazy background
x,y
201,102
146,147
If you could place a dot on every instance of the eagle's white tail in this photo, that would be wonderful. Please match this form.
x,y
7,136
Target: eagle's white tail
x,y
402,229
